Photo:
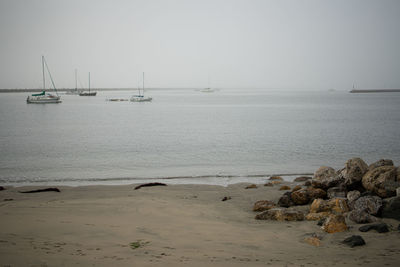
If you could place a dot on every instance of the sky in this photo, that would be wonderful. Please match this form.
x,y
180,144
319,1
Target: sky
x,y
267,44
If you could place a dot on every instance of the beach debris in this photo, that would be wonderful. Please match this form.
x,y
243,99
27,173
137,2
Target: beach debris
x,y
354,240
334,224
302,179
275,178
50,189
285,187
365,208
137,244
226,198
2,188
382,181
281,214
391,208
149,184
263,205
252,186
379,227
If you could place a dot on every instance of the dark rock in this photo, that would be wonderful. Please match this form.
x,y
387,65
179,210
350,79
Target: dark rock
x,y
361,217
302,179
50,189
300,197
263,205
335,192
379,227
226,198
315,193
8,199
391,208
354,240
2,188
398,227
269,184
286,200
321,221
380,163
149,184
354,171
307,183
382,181
297,187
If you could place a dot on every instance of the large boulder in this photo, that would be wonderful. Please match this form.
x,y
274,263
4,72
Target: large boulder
x,y
380,163
263,205
285,200
336,205
391,208
382,181
365,209
337,191
281,214
352,196
334,223
306,195
326,177
354,171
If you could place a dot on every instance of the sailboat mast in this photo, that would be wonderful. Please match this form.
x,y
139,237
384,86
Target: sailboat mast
x,y
76,80
44,81
143,84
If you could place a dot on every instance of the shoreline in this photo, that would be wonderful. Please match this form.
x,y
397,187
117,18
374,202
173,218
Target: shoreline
x,y
173,225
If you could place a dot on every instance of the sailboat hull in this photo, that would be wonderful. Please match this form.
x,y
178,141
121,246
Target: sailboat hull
x,y
46,99
141,99
88,94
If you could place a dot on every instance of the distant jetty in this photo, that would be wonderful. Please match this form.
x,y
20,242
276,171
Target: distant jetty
x,y
375,91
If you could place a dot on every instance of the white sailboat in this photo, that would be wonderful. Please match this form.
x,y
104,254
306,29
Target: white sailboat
x,y
43,98
88,93
140,97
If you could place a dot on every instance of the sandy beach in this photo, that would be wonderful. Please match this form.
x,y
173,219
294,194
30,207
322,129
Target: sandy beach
x,y
174,225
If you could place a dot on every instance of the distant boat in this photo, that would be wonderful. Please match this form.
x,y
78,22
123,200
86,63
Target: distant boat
x,y
140,97
74,91
88,93
44,98
207,90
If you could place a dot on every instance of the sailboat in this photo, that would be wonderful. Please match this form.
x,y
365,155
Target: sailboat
x,y
43,98
140,97
74,91
88,93
208,89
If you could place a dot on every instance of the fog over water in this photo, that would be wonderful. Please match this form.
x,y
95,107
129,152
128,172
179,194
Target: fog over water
x,y
296,44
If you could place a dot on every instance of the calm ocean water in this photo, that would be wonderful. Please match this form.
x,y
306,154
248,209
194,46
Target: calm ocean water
x,y
218,138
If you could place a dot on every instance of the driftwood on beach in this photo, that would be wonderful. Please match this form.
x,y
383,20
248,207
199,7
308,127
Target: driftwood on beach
x,y
148,185
50,189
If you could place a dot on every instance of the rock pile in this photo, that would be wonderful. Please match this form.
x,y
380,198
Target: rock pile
x,y
359,192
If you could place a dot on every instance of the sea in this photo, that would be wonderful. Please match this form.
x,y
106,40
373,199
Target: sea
x,y
185,136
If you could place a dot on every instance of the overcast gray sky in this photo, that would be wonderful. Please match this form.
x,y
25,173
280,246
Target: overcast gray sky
x,y
314,44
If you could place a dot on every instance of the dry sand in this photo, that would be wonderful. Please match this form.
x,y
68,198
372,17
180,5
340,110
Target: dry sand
x,y
175,225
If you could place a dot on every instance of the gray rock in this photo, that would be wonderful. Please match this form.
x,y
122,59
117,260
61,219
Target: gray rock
x,y
391,208
326,177
354,171
382,181
354,240
379,227
353,195
380,163
364,208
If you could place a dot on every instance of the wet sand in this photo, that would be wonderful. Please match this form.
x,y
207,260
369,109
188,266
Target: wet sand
x,y
174,225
